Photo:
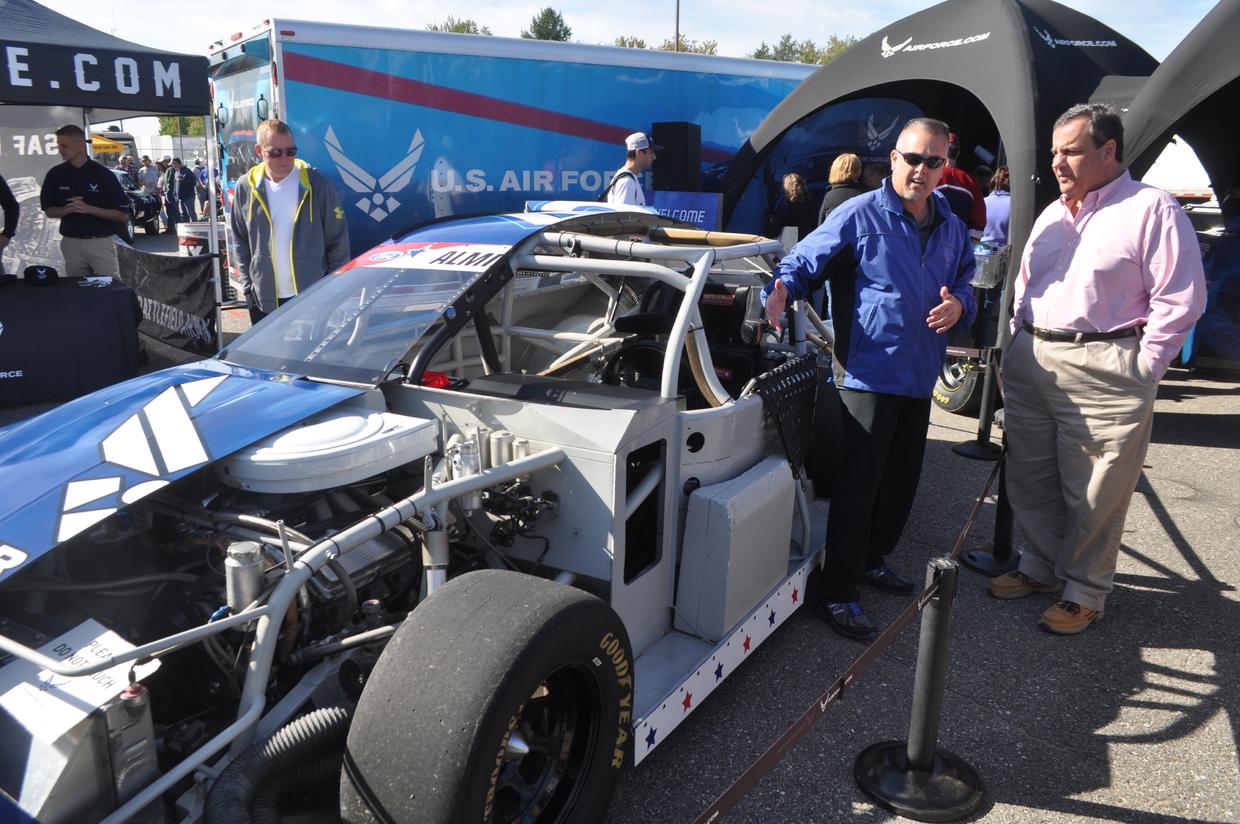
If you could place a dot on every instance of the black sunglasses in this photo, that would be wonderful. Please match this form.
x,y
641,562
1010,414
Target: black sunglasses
x,y
291,151
913,159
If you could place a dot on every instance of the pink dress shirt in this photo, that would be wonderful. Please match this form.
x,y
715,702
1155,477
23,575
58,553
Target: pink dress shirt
x,y
1128,258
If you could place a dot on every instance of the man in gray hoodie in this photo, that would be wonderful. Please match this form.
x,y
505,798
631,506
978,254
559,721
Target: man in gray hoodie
x,y
287,226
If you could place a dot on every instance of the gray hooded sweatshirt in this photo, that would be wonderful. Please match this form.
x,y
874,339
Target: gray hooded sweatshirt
x,y
320,234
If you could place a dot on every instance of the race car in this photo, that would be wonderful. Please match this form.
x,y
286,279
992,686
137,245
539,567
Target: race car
x,y
459,532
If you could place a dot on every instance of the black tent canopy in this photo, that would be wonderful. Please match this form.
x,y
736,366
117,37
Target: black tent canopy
x,y
53,60
998,71
1195,93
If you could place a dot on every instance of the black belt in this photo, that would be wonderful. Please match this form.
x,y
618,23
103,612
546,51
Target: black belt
x,y
89,237
1058,336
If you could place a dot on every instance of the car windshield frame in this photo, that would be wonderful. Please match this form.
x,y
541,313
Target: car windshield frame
x,y
358,324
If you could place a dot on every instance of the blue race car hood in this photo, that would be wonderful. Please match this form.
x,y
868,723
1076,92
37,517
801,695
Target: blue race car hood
x,y
70,468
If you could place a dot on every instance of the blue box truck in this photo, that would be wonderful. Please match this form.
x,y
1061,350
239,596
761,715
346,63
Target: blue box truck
x,y
415,125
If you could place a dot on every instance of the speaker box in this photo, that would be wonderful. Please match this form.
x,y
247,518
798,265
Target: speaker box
x,y
679,166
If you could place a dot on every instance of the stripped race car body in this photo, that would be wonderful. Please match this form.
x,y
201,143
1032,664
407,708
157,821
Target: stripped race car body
x,y
550,433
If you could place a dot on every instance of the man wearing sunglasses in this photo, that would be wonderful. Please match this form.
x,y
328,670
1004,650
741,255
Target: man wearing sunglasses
x,y
287,229
899,265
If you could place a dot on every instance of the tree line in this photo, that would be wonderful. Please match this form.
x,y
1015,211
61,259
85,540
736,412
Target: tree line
x,y
549,24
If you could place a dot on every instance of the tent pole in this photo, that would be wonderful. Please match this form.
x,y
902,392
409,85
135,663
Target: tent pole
x,y
213,243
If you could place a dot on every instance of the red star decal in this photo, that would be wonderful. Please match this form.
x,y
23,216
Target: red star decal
x,y
795,593
746,644
688,702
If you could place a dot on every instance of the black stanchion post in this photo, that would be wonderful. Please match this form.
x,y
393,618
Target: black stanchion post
x,y
915,778
998,557
981,448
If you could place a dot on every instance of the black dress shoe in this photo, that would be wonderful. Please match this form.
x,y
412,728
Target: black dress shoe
x,y
848,620
888,580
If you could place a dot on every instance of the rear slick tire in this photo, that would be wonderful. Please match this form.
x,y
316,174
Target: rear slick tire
x,y
502,698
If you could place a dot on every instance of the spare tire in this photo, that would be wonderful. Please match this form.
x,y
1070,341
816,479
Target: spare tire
x,y
503,697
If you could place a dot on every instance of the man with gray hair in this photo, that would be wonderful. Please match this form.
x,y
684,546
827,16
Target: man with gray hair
x,y
899,265
287,228
1110,284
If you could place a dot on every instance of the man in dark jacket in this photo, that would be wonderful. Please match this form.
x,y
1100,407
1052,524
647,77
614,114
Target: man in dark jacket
x,y
168,189
905,283
12,211
185,182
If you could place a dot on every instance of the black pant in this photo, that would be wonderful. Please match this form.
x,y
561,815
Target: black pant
x,y
257,314
884,439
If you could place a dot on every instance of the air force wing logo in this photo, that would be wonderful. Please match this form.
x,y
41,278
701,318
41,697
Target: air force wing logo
x,y
876,137
377,199
1046,35
889,49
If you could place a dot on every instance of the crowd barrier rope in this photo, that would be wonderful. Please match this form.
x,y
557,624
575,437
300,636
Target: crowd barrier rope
x,y
741,787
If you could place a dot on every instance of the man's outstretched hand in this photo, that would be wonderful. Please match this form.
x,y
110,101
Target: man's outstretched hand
x,y
776,302
942,317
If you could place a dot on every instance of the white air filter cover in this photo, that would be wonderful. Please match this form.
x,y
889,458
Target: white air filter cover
x,y
340,446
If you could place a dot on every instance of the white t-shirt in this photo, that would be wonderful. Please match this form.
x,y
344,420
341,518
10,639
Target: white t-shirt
x,y
282,201
148,176
626,190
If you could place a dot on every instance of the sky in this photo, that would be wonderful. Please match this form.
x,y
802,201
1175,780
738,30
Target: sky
x,y
1156,25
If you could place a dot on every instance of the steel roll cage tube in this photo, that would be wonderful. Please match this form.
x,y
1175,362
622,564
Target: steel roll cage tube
x,y
153,648
248,718
681,328
649,482
703,367
570,241
600,266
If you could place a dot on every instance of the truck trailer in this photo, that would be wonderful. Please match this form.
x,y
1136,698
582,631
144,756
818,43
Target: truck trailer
x,y
414,125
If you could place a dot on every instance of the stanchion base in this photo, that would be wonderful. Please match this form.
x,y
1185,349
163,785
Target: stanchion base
x,y
978,450
982,560
951,791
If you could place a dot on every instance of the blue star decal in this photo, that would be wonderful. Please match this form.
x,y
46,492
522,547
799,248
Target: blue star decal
x,y
719,672
771,618
650,738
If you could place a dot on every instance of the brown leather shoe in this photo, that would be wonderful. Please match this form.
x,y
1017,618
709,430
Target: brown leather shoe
x,y
1068,618
1011,585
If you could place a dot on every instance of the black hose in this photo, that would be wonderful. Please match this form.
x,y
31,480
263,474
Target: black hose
x,y
350,590
311,777
263,764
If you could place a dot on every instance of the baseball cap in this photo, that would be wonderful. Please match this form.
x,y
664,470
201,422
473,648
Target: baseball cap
x,y
41,274
640,140
166,157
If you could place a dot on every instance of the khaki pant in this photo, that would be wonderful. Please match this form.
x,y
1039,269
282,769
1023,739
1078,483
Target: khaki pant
x,y
89,256
1077,419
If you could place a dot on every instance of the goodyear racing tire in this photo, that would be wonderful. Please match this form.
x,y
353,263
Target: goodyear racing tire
x,y
959,387
503,697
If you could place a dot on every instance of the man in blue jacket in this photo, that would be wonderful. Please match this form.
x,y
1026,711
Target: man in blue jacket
x,y
900,266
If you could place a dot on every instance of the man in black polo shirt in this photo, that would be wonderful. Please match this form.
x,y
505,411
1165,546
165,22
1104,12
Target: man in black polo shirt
x,y
89,201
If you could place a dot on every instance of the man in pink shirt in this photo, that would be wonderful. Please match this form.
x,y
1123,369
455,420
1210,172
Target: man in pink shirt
x,y
1110,284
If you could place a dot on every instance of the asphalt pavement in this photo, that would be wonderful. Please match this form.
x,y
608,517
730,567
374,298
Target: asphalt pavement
x,y
1136,720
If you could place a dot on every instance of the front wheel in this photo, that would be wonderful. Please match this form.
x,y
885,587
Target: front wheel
x,y
959,387
502,698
